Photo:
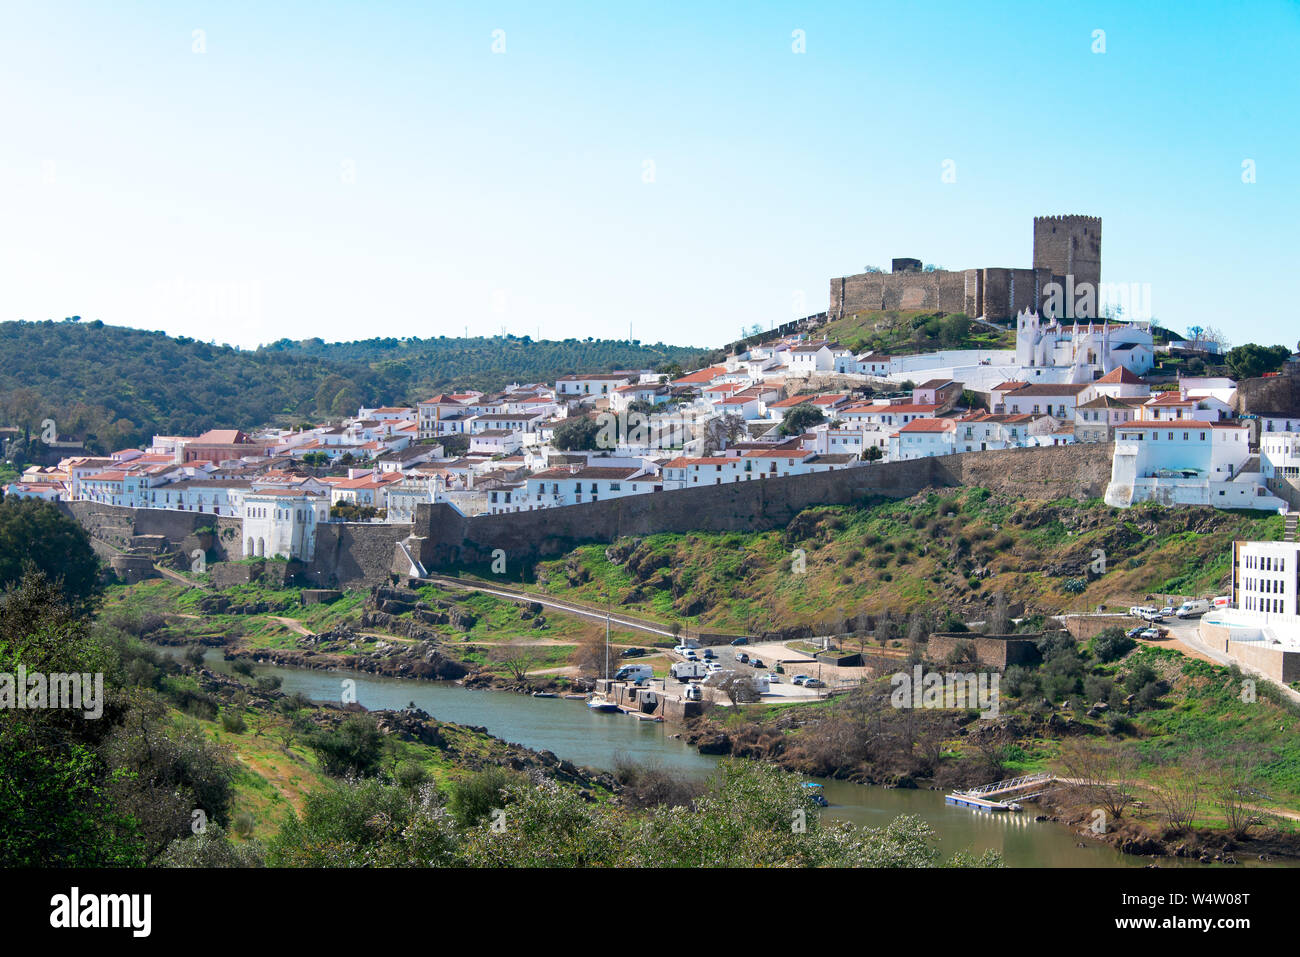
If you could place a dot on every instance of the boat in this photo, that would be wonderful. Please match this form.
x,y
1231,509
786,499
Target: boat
x,y
543,694
817,793
598,702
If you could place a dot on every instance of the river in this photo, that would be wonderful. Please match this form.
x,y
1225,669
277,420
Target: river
x,y
572,731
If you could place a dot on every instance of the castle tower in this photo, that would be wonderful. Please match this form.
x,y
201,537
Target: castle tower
x,y
1069,245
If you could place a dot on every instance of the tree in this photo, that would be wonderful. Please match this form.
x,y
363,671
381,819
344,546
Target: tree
x,y
517,659
739,687
798,419
576,435
998,620
953,330
355,747
35,535
1105,775
454,445
1252,361
1111,644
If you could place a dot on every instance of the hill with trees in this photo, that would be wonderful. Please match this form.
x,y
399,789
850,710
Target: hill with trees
x,y
112,386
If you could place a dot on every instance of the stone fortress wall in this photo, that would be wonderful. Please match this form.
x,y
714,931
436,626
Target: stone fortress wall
x,y
1063,246
354,554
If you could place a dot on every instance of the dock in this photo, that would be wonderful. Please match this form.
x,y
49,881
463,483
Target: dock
x,y
996,797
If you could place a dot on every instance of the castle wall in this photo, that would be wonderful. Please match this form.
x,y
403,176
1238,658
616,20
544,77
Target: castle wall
x,y
451,540
1062,245
354,554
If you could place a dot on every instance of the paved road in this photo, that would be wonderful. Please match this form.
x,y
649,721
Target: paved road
x,y
1184,634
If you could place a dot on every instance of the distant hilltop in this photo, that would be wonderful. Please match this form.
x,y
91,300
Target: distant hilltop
x,y
1064,246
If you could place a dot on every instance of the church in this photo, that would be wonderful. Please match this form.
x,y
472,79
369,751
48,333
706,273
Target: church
x,y
1086,350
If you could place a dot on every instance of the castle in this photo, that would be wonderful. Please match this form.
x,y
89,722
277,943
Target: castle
x,y
1064,247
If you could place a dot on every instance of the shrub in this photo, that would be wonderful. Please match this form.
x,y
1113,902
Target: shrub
x,y
1111,644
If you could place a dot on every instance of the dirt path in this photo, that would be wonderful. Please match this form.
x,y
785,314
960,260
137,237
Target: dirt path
x,y
293,625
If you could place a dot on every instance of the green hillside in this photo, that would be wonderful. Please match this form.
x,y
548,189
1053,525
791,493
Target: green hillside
x,y
114,386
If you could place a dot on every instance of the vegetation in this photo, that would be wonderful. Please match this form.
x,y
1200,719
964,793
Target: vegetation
x,y
112,386
914,331
798,419
937,550
36,536
1250,361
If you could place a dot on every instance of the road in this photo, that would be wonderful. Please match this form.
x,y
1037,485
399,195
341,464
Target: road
x,y
559,605
1184,635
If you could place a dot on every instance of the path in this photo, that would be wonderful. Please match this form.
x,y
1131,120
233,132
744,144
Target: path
x,y
524,598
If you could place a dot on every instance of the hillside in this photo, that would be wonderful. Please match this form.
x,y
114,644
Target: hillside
x,y
911,331
954,550
114,386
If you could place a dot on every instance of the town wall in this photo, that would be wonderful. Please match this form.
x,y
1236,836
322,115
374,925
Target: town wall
x,y
354,554
450,540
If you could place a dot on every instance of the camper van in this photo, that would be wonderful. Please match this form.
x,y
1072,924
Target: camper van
x,y
1193,609
686,670
634,673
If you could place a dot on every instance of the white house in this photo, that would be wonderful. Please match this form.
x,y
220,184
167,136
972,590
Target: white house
x,y
282,523
574,484
922,438
581,386
1186,463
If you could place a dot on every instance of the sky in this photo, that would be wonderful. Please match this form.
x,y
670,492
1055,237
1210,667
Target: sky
x,y
244,172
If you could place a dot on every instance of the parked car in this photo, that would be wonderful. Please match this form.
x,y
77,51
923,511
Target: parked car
x,y
715,665
773,678
1134,632
631,652
691,655
742,658
708,654
799,679
757,662
1151,634
1167,610
740,641
814,683
692,692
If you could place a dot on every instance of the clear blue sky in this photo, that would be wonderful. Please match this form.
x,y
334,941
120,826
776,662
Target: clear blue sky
x,y
347,170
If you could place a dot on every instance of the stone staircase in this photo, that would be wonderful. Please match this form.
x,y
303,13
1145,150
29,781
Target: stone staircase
x,y
1289,530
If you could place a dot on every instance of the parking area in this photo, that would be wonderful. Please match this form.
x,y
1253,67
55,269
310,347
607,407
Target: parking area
x,y
773,654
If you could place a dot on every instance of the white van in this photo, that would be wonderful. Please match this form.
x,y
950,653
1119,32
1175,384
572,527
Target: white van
x,y
1193,609
634,673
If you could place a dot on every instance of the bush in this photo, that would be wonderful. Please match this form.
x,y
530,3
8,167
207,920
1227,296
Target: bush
x,y
476,796
233,722
354,748
1111,644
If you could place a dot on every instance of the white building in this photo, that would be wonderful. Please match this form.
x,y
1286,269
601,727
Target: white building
x,y
282,523
575,484
1088,351
1186,463
1265,581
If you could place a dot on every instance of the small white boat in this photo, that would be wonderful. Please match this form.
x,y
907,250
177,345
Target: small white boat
x,y
598,702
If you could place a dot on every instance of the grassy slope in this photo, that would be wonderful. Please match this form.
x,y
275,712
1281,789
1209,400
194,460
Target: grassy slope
x,y
954,549
892,331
